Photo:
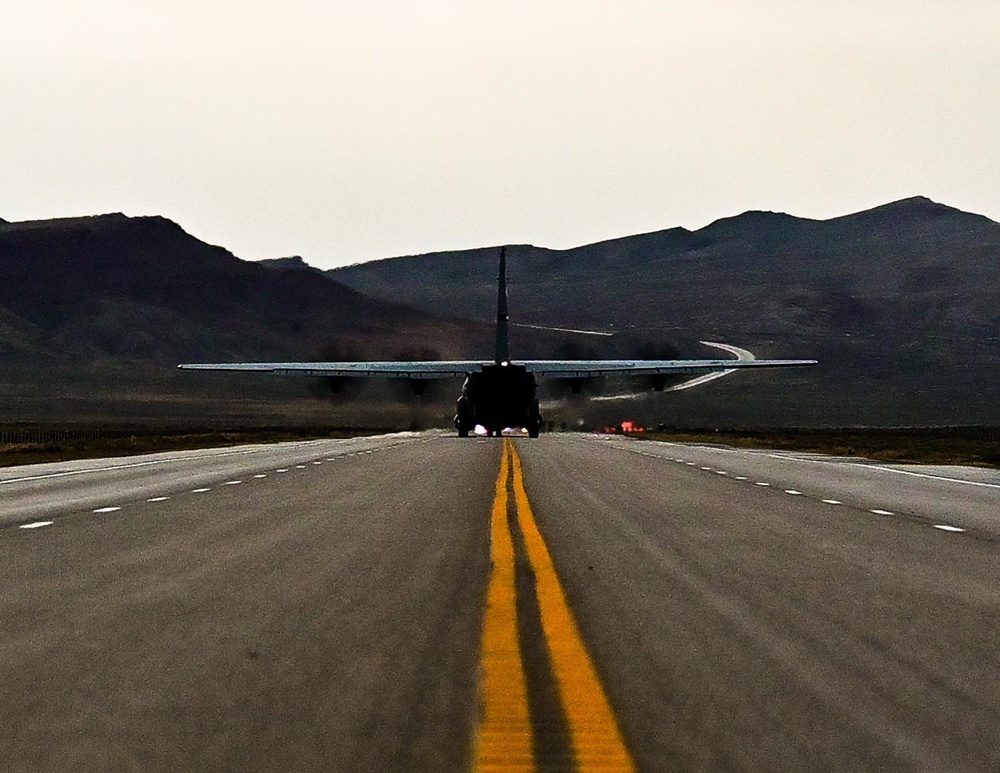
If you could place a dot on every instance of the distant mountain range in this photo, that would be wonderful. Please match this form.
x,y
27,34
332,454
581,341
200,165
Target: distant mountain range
x,y
899,303
140,288
753,277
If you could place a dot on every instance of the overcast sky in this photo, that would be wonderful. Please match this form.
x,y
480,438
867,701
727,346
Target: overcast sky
x,y
350,131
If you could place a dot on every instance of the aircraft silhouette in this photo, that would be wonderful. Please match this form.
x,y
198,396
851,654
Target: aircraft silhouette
x,y
500,393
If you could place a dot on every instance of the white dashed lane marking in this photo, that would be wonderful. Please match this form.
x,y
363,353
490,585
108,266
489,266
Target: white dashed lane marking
x,y
203,490
794,492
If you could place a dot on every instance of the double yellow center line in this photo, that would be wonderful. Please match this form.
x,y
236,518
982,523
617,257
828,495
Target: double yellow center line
x,y
505,740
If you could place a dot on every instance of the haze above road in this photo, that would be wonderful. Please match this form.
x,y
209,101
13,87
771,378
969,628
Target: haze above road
x,y
323,606
350,131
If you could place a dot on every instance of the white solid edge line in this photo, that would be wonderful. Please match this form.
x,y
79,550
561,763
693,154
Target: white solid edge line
x,y
925,475
195,455
133,465
878,467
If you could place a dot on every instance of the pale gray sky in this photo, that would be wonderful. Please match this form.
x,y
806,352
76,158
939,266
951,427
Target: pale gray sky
x,y
346,131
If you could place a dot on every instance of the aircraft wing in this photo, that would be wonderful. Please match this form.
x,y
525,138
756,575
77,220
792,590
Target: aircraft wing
x,y
376,369
569,369
575,369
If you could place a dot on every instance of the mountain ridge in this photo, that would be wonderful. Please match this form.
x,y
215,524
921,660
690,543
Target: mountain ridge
x,y
885,213
895,300
143,288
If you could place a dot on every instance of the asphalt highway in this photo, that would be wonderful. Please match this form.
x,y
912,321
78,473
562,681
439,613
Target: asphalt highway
x,y
416,602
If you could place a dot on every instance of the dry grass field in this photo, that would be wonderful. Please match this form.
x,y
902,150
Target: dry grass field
x,y
926,445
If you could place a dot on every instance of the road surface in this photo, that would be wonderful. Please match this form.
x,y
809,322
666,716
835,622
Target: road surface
x,y
419,602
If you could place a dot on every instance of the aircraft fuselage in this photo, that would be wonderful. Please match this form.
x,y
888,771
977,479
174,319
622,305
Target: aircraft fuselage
x,y
499,396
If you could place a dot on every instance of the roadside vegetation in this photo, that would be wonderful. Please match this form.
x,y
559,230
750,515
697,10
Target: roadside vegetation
x,y
918,445
36,443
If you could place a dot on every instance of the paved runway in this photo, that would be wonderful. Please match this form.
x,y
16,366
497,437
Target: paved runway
x,y
419,602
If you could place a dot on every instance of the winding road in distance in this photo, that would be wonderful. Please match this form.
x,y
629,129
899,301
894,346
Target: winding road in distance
x,y
416,602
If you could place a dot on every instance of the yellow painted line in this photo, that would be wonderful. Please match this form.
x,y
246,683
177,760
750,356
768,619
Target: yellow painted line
x,y
596,739
503,740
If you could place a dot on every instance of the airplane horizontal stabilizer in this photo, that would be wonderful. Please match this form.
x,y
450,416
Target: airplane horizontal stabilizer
x,y
569,369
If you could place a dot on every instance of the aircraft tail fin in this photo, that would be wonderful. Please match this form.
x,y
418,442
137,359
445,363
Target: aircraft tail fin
x,y
502,353
502,345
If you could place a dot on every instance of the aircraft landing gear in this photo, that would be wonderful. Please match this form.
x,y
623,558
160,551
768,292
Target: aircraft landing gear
x,y
463,417
535,422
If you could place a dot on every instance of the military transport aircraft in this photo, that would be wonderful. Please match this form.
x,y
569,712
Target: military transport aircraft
x,y
502,393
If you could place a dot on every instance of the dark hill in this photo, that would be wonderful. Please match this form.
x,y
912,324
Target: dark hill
x,y
899,302
141,288
95,313
295,263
